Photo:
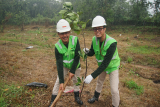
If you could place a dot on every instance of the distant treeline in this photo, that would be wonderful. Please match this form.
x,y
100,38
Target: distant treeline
x,y
46,12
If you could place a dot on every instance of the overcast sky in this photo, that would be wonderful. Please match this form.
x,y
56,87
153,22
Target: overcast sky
x,y
151,10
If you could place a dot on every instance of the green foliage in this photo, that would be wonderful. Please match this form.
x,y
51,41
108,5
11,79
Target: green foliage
x,y
79,81
21,18
72,17
132,85
114,11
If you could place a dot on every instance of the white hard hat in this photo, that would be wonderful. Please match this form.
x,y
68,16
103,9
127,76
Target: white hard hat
x,y
98,21
63,26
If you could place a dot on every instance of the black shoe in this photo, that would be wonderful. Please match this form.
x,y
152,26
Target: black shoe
x,y
95,97
52,99
77,99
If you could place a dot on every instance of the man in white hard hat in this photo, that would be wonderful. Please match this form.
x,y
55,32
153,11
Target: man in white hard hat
x,y
67,59
105,50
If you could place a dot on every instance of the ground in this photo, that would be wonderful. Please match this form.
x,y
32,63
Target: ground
x,y
20,66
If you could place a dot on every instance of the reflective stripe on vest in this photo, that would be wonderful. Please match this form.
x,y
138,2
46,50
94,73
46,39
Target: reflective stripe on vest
x,y
59,45
65,61
107,41
73,40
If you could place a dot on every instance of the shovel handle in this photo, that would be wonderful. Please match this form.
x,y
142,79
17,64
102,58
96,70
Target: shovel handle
x,y
60,93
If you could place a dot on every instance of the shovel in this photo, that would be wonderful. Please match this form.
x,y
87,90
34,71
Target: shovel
x,y
59,94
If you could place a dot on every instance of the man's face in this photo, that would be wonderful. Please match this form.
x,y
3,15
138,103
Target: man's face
x,y
99,31
64,37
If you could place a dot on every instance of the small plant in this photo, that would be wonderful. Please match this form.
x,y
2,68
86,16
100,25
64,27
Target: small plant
x,y
129,60
131,72
79,81
132,85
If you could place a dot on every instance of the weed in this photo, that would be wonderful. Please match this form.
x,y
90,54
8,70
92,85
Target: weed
x,y
132,85
129,59
127,39
131,72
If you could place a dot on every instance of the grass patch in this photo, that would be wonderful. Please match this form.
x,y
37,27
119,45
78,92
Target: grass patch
x,y
144,50
17,96
8,93
132,85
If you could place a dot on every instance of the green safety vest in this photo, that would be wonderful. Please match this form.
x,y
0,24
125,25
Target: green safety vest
x,y
115,62
68,54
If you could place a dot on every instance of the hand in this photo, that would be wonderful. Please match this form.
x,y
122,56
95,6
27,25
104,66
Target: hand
x,y
88,79
70,75
61,87
86,50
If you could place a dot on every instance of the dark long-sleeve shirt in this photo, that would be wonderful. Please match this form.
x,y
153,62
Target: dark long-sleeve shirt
x,y
107,58
59,62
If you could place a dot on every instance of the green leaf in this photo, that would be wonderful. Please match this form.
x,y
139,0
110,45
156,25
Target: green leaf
x,y
70,21
75,22
77,32
79,80
88,21
70,14
73,17
68,4
62,12
84,26
77,84
75,26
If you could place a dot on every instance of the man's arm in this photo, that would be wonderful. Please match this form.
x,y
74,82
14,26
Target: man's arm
x,y
59,62
91,51
76,58
106,61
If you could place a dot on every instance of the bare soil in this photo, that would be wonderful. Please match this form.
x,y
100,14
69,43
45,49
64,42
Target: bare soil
x,y
38,64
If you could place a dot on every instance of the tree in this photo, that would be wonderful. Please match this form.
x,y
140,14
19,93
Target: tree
x,y
139,11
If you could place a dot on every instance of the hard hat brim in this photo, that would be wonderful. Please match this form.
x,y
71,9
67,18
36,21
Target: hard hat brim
x,y
99,25
62,31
